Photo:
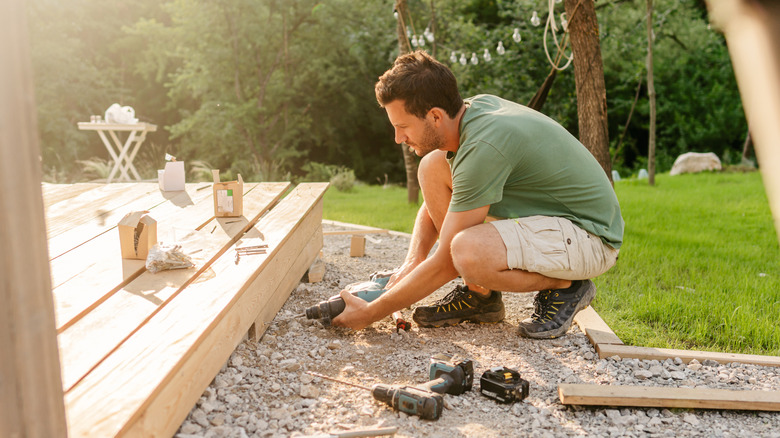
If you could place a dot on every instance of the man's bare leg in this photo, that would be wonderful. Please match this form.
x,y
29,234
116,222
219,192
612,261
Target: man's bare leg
x,y
479,255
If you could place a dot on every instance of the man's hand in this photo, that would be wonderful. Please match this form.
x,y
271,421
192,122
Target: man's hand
x,y
402,272
355,314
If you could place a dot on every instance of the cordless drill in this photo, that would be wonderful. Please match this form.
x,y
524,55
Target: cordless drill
x,y
410,399
367,290
450,375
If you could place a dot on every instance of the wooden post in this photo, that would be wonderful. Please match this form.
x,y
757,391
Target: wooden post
x,y
752,30
30,383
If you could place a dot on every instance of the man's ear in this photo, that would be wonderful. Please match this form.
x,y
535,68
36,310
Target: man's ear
x,y
436,114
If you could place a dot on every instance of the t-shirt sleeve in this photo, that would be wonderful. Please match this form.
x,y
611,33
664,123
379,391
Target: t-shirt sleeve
x,y
479,173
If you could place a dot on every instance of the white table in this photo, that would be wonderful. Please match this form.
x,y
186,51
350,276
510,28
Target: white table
x,y
124,154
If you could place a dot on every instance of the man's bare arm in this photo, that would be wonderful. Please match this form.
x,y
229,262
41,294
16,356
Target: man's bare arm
x,y
423,280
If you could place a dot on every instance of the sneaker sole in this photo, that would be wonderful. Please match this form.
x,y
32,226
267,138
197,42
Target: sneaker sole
x,y
560,331
485,318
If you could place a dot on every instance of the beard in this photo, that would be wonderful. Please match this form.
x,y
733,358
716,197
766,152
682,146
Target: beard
x,y
431,141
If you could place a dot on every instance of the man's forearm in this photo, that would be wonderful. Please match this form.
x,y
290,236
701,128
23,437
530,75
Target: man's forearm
x,y
430,275
424,236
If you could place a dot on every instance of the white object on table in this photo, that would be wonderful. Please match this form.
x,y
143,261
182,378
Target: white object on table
x,y
125,152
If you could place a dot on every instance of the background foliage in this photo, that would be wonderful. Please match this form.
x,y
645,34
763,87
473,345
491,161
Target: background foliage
x,y
263,87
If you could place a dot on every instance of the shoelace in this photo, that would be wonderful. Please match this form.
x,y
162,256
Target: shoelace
x,y
451,298
544,308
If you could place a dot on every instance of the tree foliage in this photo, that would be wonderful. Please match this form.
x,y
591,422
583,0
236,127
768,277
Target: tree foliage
x,y
263,87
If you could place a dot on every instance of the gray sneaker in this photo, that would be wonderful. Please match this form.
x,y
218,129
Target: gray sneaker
x,y
554,310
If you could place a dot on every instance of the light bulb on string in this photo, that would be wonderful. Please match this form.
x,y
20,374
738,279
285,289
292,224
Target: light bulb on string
x,y
516,35
408,33
463,60
420,41
429,35
474,59
500,48
414,41
535,20
395,14
453,58
486,56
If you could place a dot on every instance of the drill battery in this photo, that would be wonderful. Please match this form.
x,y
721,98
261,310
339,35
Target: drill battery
x,y
503,385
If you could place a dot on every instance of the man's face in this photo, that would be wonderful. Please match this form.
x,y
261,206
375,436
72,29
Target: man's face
x,y
419,134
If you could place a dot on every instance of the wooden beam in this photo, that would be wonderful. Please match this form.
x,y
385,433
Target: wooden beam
x,y
664,397
595,328
354,232
752,30
649,353
142,388
30,388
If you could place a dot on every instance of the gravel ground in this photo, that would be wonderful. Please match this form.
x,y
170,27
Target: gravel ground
x,y
263,390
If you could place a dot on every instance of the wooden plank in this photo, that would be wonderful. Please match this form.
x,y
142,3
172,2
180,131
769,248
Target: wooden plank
x,y
338,232
92,206
84,232
30,390
54,193
276,300
178,397
595,328
167,362
85,343
649,353
648,396
82,281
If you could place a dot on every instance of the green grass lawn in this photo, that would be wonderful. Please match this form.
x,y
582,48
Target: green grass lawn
x,y
699,267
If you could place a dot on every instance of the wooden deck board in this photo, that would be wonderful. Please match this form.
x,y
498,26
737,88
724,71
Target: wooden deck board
x,y
54,193
81,281
146,386
92,206
87,342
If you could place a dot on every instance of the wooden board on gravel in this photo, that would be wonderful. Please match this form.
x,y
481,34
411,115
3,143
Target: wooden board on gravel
x,y
649,396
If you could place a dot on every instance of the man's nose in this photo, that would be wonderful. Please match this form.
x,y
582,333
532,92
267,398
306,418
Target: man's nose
x,y
400,137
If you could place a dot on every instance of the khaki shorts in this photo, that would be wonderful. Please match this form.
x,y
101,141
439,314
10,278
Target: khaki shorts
x,y
554,247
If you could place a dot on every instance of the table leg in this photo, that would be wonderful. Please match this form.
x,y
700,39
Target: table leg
x,y
111,152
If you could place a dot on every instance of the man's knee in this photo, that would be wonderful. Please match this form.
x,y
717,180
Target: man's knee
x,y
465,252
434,166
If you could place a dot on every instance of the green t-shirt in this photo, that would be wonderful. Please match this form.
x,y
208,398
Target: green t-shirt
x,y
522,163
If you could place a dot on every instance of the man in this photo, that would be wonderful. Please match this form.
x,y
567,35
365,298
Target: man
x,y
487,158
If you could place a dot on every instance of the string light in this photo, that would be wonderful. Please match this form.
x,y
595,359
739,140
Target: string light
x,y
516,35
500,48
486,56
463,60
535,20
453,58
474,59
429,35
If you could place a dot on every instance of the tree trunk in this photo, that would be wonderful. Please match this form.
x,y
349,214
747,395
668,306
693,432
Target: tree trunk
x,y
410,163
589,79
650,96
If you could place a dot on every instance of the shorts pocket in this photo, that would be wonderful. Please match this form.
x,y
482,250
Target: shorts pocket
x,y
546,247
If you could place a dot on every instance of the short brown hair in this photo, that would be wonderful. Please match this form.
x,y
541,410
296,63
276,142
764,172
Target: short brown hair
x,y
422,83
